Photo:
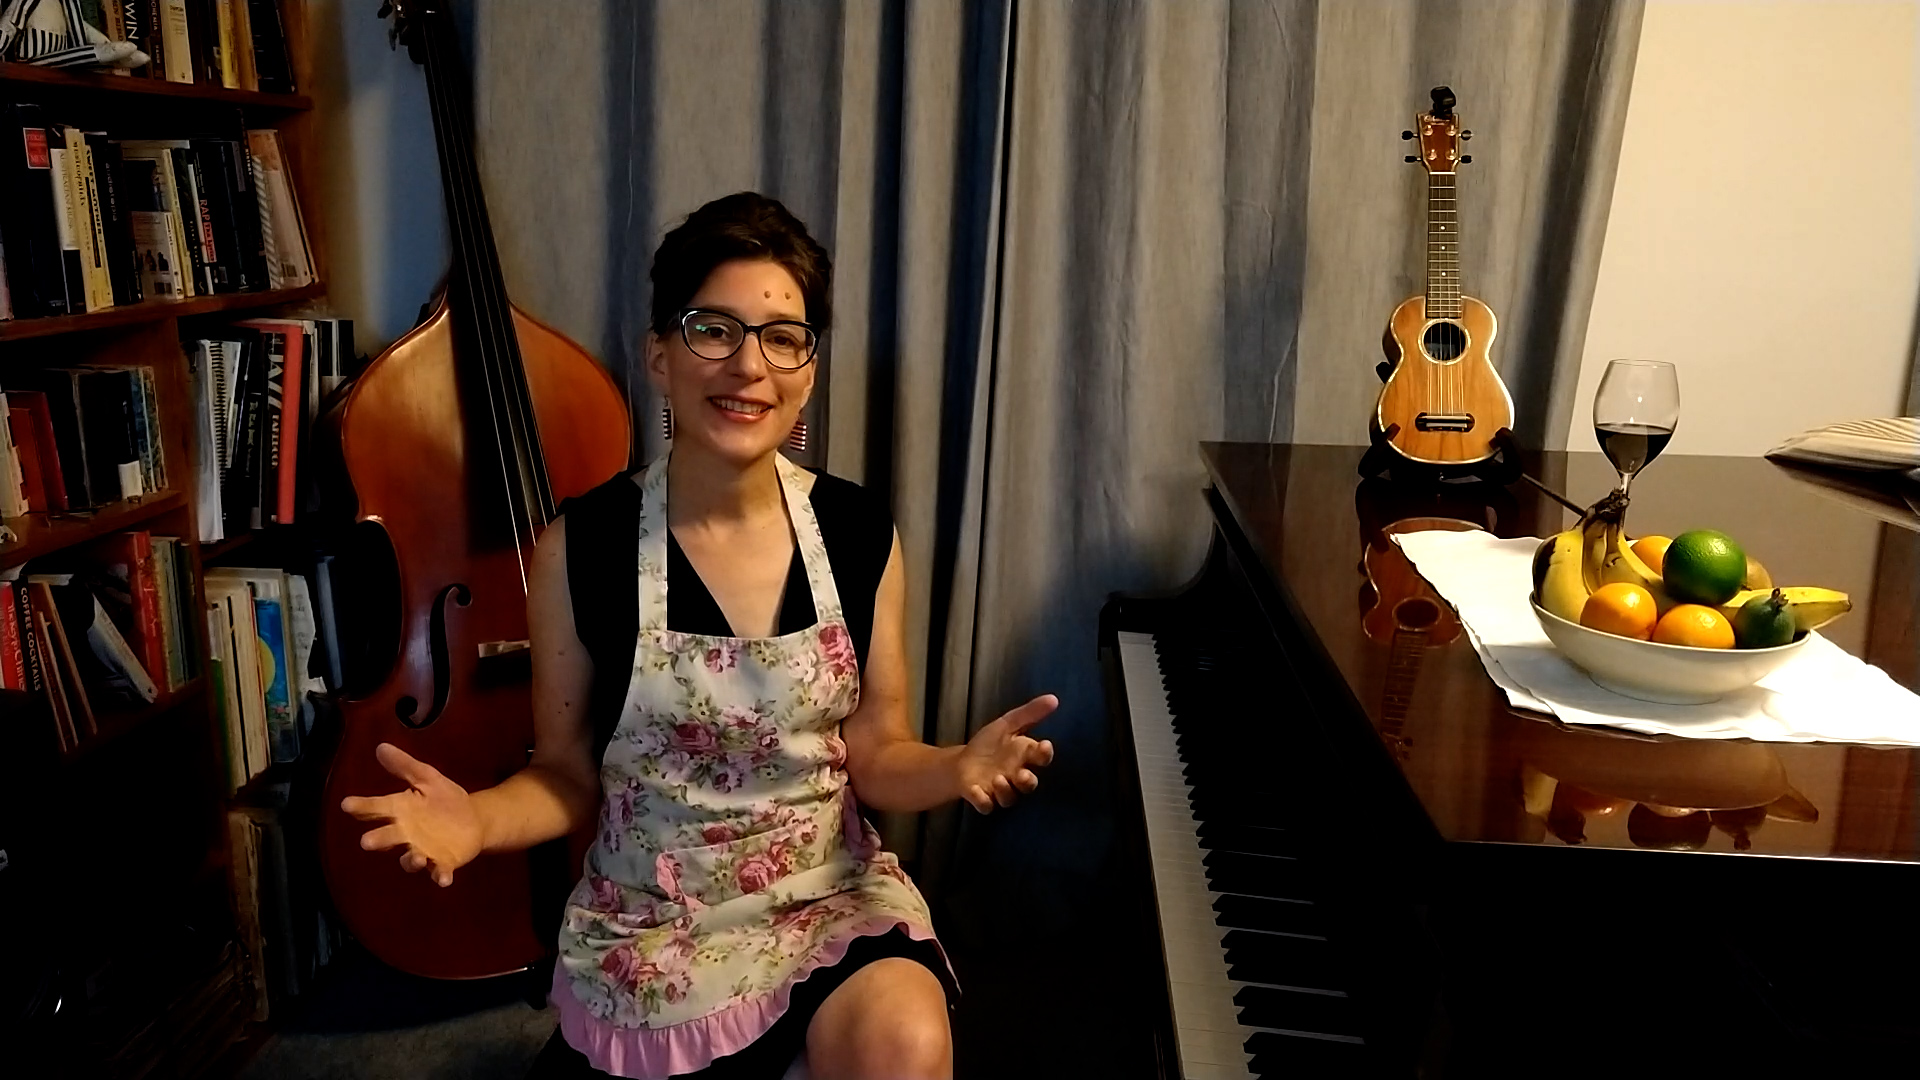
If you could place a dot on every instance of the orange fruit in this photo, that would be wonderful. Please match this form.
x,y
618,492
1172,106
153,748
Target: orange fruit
x,y
1696,625
1620,608
1653,551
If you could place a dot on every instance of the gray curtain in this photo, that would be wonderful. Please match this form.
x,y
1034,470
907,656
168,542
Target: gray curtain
x,y
1072,241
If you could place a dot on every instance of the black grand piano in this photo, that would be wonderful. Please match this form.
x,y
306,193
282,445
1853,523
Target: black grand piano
x,y
1362,862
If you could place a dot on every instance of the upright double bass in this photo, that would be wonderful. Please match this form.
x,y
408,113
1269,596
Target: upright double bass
x,y
459,441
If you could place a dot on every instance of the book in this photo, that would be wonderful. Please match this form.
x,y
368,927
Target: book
x,y
89,222
33,436
243,839
24,630
286,344
168,574
193,209
151,446
241,496
167,200
129,559
236,620
289,260
35,269
226,693
77,704
208,381
13,489
62,393
228,159
109,171
225,47
267,591
6,292
271,64
149,228
300,621
113,651
107,429
13,664
67,215
23,442
54,685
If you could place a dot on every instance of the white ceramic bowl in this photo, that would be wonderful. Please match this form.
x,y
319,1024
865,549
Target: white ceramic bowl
x,y
1668,674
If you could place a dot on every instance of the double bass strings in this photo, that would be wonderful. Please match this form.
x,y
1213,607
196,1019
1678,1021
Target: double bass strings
x,y
516,438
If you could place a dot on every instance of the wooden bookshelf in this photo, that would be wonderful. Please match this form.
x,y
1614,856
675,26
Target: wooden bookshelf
x,y
20,78
42,534
156,310
165,758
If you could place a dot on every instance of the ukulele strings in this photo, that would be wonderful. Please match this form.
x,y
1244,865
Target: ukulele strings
x,y
483,297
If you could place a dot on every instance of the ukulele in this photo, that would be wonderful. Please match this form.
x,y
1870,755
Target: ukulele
x,y
1409,615
1443,401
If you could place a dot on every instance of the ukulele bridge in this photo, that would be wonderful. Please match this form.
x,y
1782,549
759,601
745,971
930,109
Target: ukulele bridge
x,y
1427,421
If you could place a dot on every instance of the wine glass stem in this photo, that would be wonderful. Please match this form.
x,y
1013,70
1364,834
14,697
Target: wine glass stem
x,y
1626,480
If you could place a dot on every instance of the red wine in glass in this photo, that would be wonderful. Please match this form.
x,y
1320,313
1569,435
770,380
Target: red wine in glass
x,y
1631,446
1634,413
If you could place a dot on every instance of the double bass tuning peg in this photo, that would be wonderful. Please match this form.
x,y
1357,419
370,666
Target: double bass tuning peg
x,y
1406,135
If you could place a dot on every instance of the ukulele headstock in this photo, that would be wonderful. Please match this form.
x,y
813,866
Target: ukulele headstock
x,y
408,24
1440,135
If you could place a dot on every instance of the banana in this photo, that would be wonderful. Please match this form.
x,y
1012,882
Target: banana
x,y
1621,564
1558,574
1812,607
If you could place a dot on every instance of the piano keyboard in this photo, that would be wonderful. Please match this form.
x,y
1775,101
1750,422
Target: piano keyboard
x,y
1253,980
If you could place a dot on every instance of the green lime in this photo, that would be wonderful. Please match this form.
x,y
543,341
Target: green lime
x,y
1704,567
1764,622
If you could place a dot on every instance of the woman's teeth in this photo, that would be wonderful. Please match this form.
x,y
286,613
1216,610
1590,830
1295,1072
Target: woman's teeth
x,y
749,408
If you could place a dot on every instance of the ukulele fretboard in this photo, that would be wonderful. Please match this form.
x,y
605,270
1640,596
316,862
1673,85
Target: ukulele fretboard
x,y
1443,248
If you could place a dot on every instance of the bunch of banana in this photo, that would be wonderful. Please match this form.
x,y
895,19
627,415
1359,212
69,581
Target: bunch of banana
x,y
1570,565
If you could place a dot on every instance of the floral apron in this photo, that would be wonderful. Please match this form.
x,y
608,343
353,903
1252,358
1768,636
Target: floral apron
x,y
731,860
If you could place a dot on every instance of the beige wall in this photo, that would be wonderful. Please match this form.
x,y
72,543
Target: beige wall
x,y
1763,233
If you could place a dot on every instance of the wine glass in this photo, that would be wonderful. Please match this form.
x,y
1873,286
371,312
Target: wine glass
x,y
1634,414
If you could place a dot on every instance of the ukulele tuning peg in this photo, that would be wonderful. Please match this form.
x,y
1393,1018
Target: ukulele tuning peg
x,y
1406,135
1466,159
1411,159
1466,134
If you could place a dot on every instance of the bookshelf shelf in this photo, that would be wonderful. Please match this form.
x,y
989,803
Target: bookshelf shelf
x,y
258,105
118,725
44,533
222,548
156,311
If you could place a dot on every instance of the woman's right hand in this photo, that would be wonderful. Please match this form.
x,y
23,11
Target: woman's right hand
x,y
434,822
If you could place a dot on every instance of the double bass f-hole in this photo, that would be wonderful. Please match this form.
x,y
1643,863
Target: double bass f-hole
x,y
442,675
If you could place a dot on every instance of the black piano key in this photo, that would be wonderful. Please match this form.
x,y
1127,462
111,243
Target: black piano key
x,y
1225,836
1281,961
1271,916
1295,1010
1257,875
1278,1055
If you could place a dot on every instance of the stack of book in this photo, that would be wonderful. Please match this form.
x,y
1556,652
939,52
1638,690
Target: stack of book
x,y
237,44
257,387
78,438
261,633
108,634
88,222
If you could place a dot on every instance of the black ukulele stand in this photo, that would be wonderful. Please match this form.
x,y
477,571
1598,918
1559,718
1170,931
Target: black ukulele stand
x,y
1382,460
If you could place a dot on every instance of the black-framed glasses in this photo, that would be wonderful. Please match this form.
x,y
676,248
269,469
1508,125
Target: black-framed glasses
x,y
716,335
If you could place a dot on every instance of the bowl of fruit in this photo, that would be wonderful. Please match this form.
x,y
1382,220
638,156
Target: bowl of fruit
x,y
1681,621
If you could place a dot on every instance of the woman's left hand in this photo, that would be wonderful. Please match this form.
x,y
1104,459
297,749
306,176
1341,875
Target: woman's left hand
x,y
997,764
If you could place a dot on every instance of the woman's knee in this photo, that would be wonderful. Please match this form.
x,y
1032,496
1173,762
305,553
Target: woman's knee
x,y
889,1022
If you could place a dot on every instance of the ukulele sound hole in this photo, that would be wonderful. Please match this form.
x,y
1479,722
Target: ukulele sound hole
x,y
1444,342
1416,613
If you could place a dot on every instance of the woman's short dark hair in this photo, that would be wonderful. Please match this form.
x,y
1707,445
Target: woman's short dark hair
x,y
747,225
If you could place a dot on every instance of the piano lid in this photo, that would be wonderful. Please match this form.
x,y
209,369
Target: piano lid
x,y
1485,773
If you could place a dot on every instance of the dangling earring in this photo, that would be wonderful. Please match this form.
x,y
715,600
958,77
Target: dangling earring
x,y
666,421
797,438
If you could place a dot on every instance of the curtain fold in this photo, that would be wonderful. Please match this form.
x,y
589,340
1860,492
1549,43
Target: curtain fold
x,y
1072,240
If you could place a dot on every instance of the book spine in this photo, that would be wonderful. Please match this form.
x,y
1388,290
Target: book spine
x,y
286,437
143,577
107,173
93,231
36,675
13,483
269,612
28,216
55,684
13,664
246,213
270,47
226,56
52,475
67,668
66,217
187,199
156,448
166,582
6,289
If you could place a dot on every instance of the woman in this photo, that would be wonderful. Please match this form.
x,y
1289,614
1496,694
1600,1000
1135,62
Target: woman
x,y
736,910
